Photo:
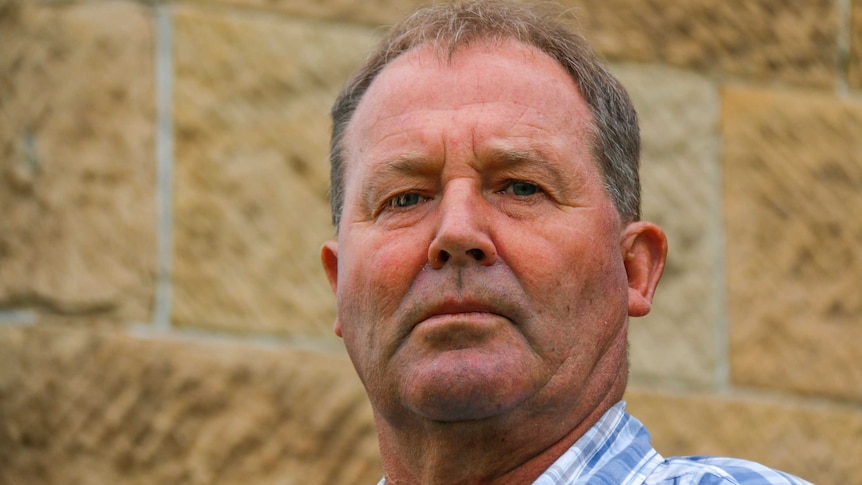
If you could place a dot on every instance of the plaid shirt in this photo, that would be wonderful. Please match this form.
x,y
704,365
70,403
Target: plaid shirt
x,y
617,451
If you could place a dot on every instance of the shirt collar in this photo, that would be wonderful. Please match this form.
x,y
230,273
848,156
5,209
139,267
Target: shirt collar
x,y
615,450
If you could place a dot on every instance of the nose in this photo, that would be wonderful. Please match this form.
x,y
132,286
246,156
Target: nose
x,y
462,236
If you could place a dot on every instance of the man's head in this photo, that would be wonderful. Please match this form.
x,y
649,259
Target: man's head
x,y
450,27
483,272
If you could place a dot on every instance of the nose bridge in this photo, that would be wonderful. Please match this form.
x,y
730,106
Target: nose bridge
x,y
459,204
463,227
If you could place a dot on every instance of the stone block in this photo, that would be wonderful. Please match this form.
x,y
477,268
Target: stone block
x,y
252,99
102,408
370,12
77,231
819,442
765,40
854,75
681,187
793,195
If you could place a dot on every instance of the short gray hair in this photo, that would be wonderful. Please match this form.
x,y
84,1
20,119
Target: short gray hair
x,y
616,138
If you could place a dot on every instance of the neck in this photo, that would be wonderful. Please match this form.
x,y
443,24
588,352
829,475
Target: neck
x,y
507,449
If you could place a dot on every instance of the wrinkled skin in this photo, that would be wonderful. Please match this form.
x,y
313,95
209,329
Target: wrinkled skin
x,y
483,276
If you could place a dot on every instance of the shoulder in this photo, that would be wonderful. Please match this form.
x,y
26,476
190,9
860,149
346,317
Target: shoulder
x,y
709,470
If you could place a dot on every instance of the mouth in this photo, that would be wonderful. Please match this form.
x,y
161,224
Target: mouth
x,y
452,334
459,325
475,311
453,308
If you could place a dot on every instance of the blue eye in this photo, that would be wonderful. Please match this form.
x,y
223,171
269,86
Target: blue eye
x,y
405,200
521,188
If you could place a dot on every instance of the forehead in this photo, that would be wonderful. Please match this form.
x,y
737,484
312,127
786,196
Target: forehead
x,y
482,72
485,93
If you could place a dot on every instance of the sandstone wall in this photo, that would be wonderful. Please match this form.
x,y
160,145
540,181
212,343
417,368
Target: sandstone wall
x,y
163,198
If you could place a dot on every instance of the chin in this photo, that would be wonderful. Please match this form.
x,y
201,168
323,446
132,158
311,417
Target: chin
x,y
467,390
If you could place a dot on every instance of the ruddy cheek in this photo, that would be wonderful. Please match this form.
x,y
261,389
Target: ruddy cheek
x,y
383,279
402,254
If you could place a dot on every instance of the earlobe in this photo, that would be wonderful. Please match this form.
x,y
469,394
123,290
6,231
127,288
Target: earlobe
x,y
644,254
329,259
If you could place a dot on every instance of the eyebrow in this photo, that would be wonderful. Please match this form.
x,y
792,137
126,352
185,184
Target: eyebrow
x,y
403,165
515,158
505,159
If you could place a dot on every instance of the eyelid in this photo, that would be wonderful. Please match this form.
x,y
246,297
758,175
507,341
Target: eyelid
x,y
388,202
509,183
391,202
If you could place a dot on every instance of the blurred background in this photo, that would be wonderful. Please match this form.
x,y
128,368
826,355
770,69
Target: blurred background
x,y
163,198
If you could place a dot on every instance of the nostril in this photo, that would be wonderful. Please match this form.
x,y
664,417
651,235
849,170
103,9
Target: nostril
x,y
444,256
476,253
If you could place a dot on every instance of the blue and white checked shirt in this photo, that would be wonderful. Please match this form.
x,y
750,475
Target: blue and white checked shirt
x,y
617,451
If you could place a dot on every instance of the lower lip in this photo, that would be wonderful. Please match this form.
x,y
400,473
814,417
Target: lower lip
x,y
477,317
449,321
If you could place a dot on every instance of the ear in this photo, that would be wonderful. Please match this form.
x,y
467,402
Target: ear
x,y
644,254
329,259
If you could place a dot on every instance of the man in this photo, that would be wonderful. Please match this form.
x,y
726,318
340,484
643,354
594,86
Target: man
x,y
489,253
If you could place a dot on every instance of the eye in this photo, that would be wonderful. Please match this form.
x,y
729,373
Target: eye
x,y
405,200
521,188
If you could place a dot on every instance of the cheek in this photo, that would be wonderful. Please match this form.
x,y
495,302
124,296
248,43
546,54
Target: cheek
x,y
373,280
377,272
394,264
583,265
545,261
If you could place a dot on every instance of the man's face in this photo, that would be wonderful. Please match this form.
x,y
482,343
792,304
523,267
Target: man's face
x,y
479,268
